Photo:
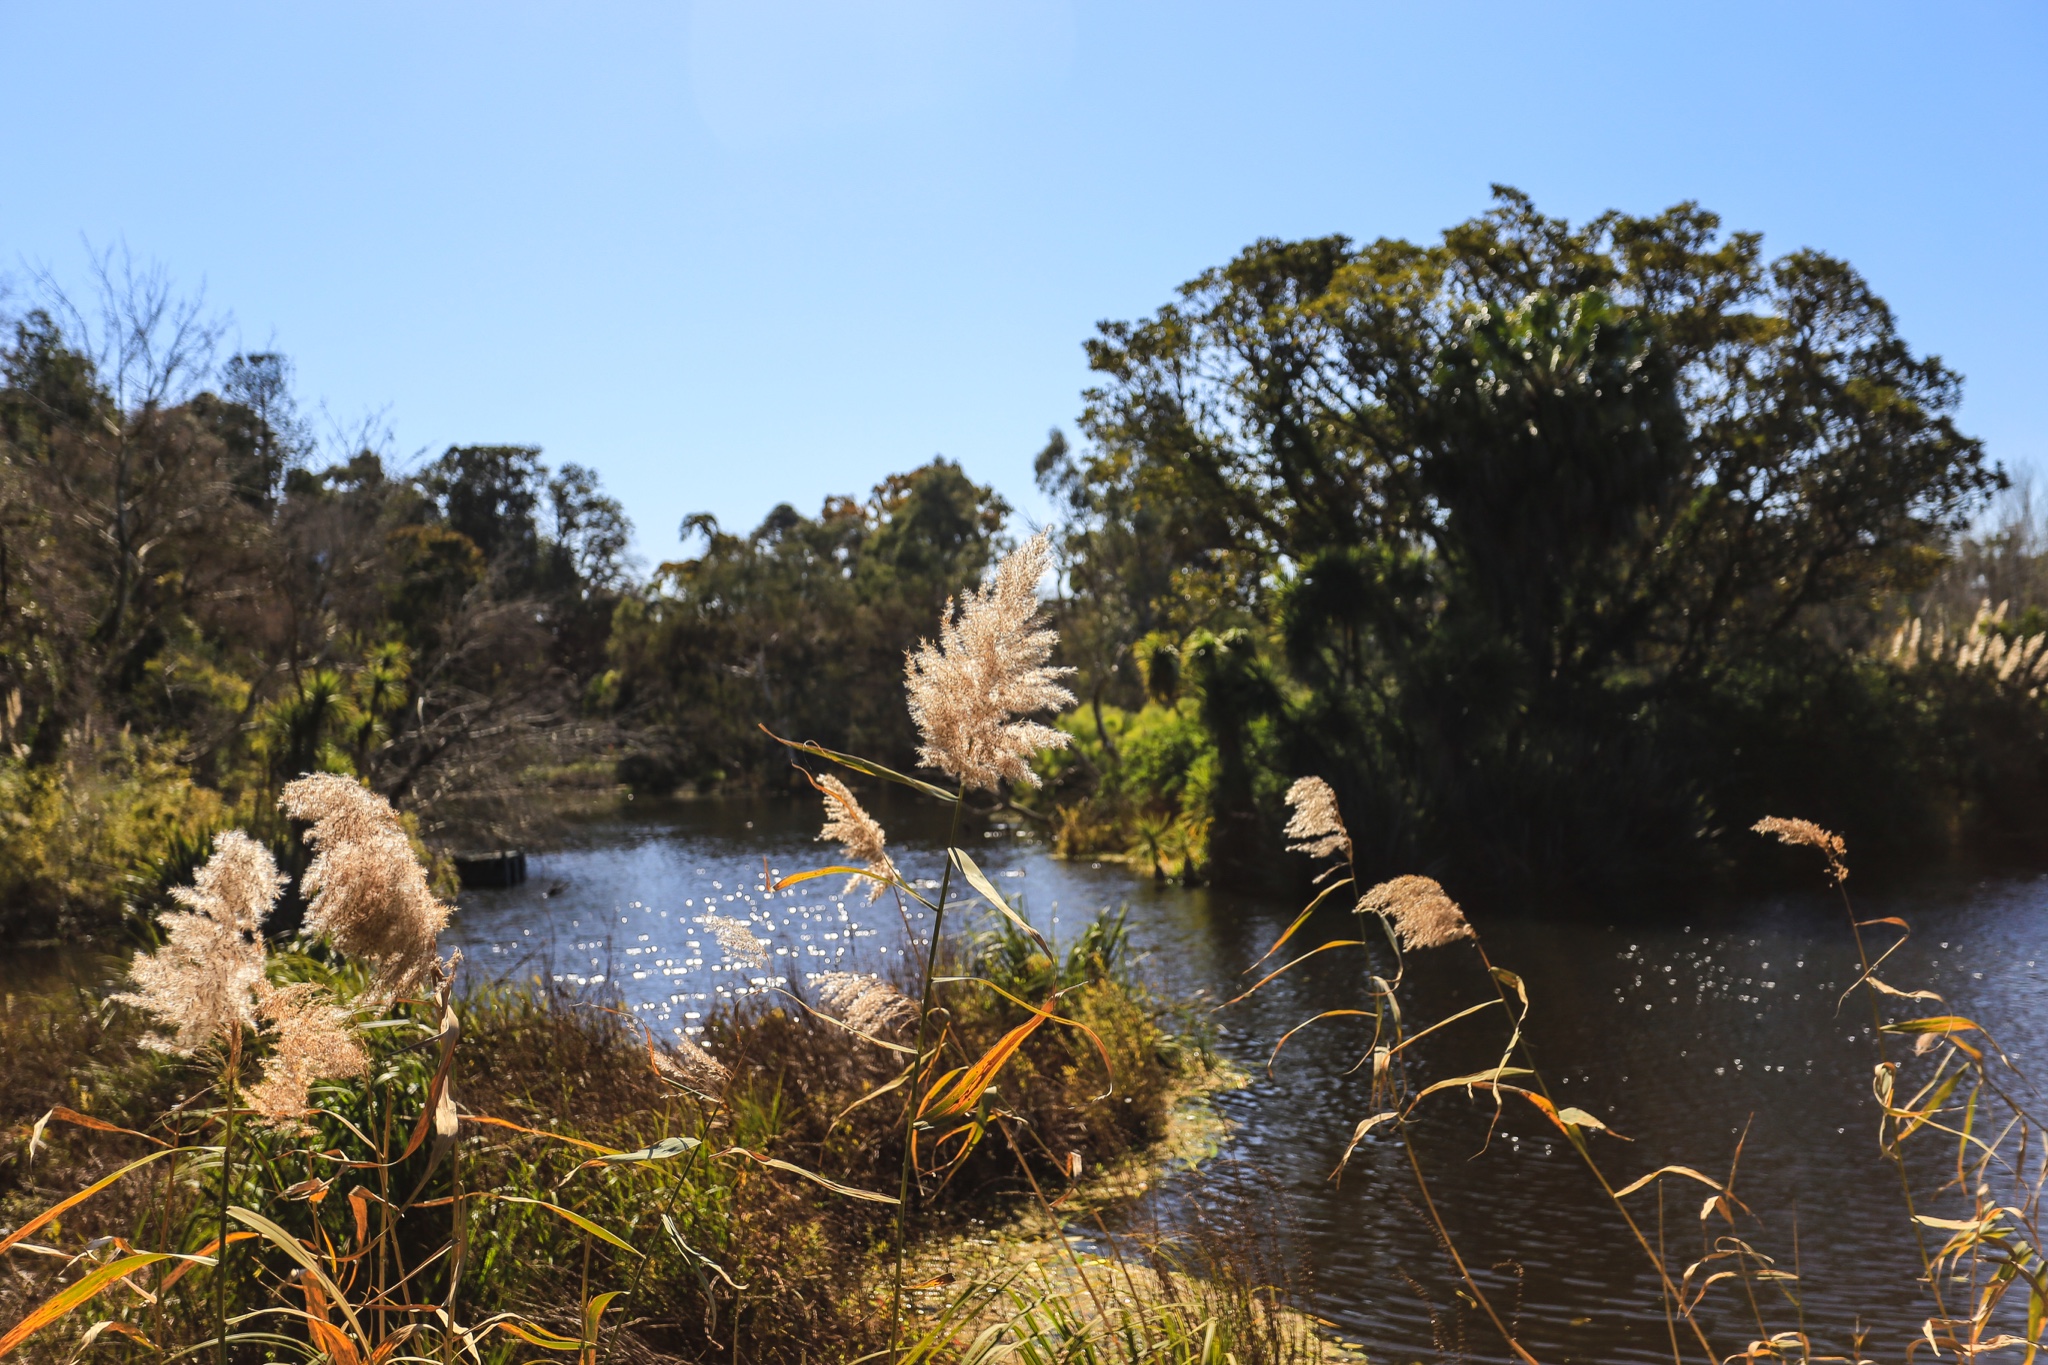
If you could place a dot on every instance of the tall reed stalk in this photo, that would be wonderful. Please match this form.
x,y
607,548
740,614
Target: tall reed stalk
x,y
1998,1243
918,1071
230,1074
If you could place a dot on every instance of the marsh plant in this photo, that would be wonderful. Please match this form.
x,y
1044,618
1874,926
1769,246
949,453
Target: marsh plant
x,y
350,1197
1938,1077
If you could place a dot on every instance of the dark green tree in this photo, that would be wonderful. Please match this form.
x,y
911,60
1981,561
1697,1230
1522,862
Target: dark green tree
x,y
1522,505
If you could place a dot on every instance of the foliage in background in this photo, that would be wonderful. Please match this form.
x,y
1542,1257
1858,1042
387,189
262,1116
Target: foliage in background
x,y
194,608
801,625
1558,549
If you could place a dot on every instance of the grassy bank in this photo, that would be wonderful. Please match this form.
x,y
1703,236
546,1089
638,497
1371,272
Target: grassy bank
x,y
718,1259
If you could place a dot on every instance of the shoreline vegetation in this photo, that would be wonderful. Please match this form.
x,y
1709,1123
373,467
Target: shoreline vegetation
x,y
322,1149
1546,553
738,1185
574,1070
1561,550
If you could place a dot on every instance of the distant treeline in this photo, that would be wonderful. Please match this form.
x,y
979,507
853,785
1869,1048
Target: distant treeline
x,y
196,608
1559,550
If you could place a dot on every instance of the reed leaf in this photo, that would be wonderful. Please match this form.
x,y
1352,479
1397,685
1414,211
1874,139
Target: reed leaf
x,y
1301,919
88,1192
1253,988
71,1116
976,879
959,1091
538,1132
860,765
596,1230
775,1163
665,1150
60,1304
1314,1018
1686,1171
1487,1078
1358,1135
289,1244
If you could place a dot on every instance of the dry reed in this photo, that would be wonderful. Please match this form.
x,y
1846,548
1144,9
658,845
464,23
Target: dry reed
x,y
988,668
1807,834
202,980
691,1067
860,835
737,938
866,1004
312,1042
1315,826
367,892
1421,911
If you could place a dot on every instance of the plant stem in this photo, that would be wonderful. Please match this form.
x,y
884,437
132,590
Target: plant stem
x,y
917,1069
227,1164
1444,1235
459,1256
675,1191
1577,1142
384,1213
1059,1230
1898,1158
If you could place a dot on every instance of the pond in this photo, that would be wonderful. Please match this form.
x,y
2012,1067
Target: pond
x,y
1689,1031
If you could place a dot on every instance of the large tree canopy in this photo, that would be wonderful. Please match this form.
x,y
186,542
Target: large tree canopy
x,y
1508,490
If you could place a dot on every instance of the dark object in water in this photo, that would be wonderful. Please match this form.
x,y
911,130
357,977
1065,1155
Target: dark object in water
x,y
554,889
490,869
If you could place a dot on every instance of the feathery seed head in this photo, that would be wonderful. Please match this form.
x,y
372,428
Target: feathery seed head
x,y
1316,826
989,667
691,1067
738,940
1422,913
1798,832
201,981
369,894
313,1042
859,833
866,1004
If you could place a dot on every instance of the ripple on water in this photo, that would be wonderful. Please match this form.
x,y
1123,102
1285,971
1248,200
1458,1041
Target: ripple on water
x,y
1688,1037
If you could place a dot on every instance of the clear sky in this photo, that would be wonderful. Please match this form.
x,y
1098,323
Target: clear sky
x,y
732,254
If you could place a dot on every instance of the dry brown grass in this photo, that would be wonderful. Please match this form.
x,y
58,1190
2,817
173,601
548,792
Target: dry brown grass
x,y
577,1068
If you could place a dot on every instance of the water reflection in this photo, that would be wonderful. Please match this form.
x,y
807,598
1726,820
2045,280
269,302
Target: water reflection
x,y
1688,1033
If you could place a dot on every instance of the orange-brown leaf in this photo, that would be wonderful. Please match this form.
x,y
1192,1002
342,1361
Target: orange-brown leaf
x,y
70,1297
950,1099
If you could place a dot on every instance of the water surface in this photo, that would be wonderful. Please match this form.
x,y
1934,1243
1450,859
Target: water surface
x,y
1688,1030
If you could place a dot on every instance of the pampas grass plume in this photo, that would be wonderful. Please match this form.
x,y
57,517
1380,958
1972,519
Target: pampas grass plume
x,y
989,667
860,834
866,1004
312,1042
691,1067
1810,835
1422,913
738,940
368,893
201,982
1316,827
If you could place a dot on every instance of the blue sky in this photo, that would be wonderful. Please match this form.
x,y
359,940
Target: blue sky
x,y
732,254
